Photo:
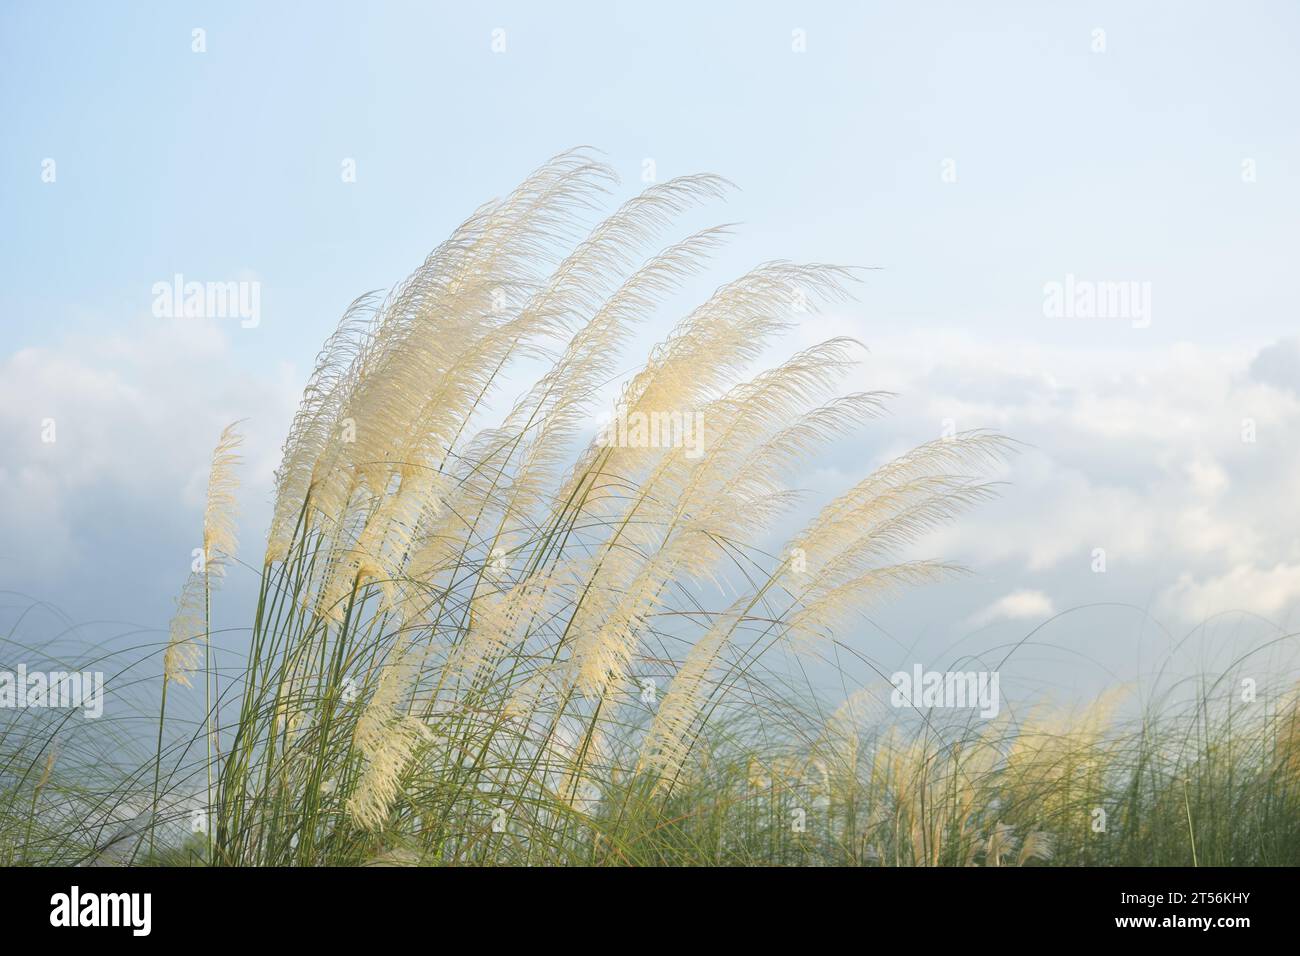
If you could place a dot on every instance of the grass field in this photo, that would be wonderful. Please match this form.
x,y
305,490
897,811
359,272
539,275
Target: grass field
x,y
481,641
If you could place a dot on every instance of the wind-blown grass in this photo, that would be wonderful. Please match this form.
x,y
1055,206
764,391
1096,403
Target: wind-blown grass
x,y
463,623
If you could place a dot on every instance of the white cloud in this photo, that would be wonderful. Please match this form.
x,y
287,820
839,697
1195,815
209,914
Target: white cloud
x,y
1015,606
1266,591
1139,452
1278,365
136,412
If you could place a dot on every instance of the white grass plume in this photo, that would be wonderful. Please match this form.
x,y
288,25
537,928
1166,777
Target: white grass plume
x,y
526,573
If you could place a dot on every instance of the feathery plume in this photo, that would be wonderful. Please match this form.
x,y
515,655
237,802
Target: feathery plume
x,y
387,739
189,624
187,628
219,541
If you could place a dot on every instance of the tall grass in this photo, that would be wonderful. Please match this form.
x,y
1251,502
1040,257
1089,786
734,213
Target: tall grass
x,y
480,638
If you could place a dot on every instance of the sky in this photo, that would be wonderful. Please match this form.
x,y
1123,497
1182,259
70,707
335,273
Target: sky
x,y
976,156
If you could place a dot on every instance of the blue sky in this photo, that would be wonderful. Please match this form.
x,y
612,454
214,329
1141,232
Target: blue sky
x,y
1122,164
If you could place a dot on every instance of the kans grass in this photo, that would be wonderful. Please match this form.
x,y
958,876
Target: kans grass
x,y
500,644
